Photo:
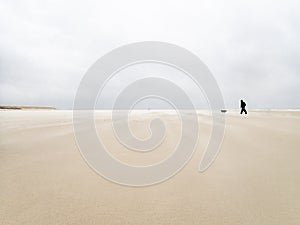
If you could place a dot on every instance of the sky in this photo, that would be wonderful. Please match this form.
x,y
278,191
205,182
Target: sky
x,y
251,47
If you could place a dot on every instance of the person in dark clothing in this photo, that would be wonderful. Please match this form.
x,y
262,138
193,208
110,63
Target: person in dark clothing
x,y
243,107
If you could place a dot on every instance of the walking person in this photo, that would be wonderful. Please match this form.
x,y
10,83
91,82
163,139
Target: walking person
x,y
243,107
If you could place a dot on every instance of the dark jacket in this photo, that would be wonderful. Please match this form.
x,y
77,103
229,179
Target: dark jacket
x,y
243,104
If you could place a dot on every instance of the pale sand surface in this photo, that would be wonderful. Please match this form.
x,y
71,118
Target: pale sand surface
x,y
255,179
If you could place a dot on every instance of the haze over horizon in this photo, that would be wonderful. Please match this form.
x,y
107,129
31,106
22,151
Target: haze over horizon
x,y
252,48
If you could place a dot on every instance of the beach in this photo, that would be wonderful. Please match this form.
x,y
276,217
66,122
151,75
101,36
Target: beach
x,y
254,180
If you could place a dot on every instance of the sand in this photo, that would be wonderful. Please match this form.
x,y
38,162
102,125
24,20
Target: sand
x,y
254,180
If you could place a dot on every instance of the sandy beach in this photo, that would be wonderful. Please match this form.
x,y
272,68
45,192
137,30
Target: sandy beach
x,y
254,180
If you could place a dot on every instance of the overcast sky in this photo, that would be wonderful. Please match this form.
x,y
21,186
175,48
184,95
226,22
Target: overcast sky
x,y
251,47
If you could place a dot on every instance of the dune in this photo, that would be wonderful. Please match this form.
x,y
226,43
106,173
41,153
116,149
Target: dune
x,y
254,180
7,107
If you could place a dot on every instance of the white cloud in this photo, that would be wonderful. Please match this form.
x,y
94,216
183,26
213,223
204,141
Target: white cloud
x,y
251,47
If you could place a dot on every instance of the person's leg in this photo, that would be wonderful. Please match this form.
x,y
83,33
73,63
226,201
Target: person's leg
x,y
245,111
241,111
